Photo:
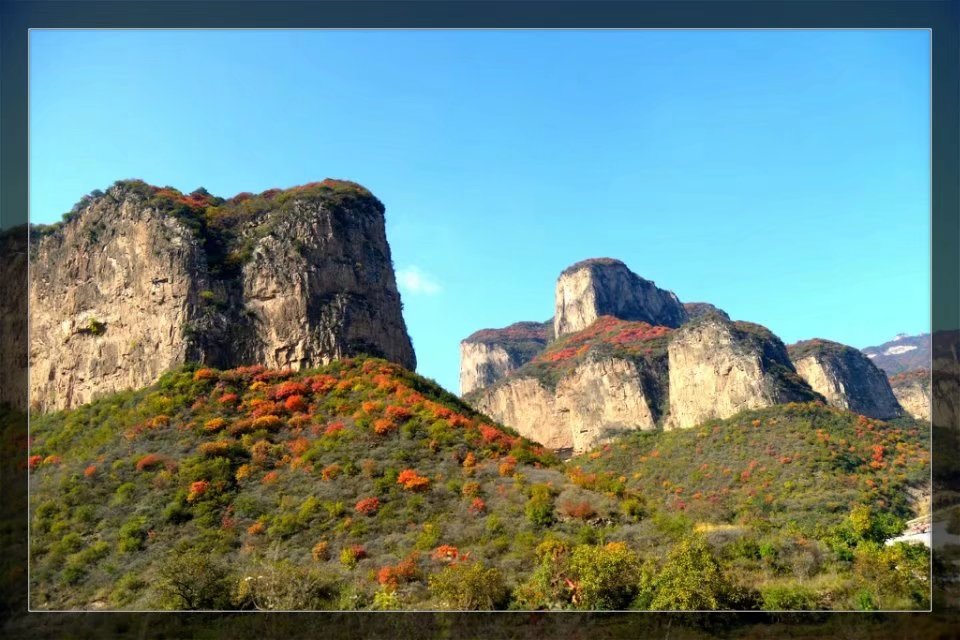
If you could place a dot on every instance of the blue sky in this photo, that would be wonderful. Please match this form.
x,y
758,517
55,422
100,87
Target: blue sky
x,y
782,175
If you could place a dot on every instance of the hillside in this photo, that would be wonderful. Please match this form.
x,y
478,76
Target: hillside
x,y
783,494
360,485
341,471
903,353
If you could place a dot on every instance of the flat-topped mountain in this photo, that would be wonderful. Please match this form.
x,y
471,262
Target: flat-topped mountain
x,y
139,279
606,287
845,377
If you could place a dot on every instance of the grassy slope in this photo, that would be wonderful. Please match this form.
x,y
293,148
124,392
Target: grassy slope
x,y
106,525
104,521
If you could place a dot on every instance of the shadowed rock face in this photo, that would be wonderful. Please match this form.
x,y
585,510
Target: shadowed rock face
x,y
490,354
846,378
128,289
603,286
718,368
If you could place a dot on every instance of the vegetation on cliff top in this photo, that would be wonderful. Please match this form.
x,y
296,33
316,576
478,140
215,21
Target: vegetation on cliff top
x,y
524,339
818,346
218,221
913,376
606,337
591,262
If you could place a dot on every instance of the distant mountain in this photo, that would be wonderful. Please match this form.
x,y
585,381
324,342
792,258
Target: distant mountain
x,y
903,353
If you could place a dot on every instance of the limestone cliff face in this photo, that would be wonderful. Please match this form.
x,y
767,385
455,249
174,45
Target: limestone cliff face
x,y
603,286
912,389
846,378
321,286
600,398
129,288
529,407
718,368
491,354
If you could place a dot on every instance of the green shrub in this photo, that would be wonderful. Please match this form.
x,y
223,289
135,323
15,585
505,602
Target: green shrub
x,y
284,586
794,597
132,535
606,577
539,508
468,587
194,579
690,579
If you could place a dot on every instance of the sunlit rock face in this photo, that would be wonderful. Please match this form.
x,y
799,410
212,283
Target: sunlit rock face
x,y
718,368
846,378
128,288
604,286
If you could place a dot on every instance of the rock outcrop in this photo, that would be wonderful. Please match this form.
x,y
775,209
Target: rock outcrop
x,y
585,387
604,286
845,377
718,368
696,310
141,279
912,390
490,354
599,399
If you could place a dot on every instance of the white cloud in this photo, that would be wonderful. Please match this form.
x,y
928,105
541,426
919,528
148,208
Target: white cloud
x,y
414,281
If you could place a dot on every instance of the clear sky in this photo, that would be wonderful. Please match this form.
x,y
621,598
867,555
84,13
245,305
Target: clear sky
x,y
781,175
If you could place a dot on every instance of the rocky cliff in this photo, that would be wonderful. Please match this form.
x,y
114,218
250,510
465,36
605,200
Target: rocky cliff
x,y
585,387
604,286
912,390
718,368
141,279
845,377
490,354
